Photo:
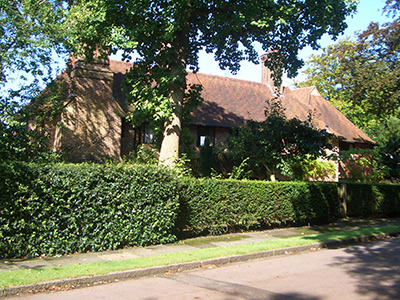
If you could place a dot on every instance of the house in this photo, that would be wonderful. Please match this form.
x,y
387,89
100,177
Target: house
x,y
92,125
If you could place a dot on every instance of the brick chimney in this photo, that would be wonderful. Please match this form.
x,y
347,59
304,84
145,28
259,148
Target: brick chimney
x,y
266,73
91,122
98,69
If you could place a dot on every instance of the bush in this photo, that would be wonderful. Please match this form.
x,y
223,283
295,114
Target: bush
x,y
60,209
373,200
221,205
65,208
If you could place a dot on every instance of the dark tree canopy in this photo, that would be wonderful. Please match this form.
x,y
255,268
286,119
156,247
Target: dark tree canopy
x,y
165,30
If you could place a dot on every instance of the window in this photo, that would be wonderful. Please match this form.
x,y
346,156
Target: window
x,y
204,133
147,134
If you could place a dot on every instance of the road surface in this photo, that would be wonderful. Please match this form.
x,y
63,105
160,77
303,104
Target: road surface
x,y
365,271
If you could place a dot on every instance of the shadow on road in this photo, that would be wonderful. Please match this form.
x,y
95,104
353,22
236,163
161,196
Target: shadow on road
x,y
234,290
376,267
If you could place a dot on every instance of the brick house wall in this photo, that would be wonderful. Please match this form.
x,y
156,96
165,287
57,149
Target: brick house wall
x,y
90,125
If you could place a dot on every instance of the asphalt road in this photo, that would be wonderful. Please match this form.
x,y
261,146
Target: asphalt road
x,y
365,271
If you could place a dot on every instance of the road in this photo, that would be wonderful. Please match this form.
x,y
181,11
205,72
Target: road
x,y
365,271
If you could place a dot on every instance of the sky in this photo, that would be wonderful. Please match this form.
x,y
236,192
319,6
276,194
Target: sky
x,y
367,11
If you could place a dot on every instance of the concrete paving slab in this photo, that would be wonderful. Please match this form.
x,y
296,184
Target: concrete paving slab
x,y
118,256
37,263
161,249
143,251
6,267
79,258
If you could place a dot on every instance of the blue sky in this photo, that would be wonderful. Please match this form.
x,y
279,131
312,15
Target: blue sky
x,y
367,11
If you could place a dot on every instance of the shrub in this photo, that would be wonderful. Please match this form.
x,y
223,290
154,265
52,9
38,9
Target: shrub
x,y
60,209
373,200
221,205
65,208
314,170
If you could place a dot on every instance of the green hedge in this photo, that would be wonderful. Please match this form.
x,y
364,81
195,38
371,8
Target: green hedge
x,y
219,205
59,209
373,200
65,208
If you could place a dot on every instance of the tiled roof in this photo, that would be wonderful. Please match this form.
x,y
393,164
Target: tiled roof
x,y
326,114
230,102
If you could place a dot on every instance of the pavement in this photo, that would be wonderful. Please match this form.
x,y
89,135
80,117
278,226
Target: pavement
x,y
185,245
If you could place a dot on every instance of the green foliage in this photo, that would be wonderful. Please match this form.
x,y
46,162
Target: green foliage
x,y
144,154
60,209
373,200
315,170
242,171
147,155
182,166
65,208
277,144
357,82
31,37
31,47
221,205
388,151
17,142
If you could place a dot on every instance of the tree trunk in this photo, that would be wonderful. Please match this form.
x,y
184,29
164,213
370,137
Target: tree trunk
x,y
272,177
270,172
169,152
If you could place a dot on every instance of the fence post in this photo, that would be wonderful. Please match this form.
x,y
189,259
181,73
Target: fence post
x,y
342,187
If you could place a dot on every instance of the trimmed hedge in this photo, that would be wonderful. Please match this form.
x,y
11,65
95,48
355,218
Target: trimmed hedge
x,y
220,205
60,209
373,200
65,208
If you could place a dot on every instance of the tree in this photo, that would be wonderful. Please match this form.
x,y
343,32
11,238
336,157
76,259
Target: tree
x,y
388,139
362,86
17,141
362,78
31,34
277,144
167,35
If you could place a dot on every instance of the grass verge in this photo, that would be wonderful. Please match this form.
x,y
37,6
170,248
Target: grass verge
x,y
32,276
